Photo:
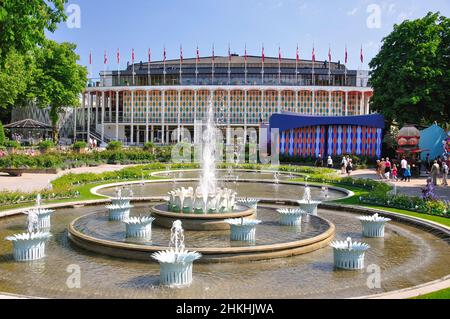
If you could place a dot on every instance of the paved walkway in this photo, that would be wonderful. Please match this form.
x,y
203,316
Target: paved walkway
x,y
37,182
412,188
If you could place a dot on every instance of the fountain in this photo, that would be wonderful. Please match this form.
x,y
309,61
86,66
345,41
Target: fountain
x,y
29,246
39,219
243,229
120,206
139,227
206,206
373,226
249,202
186,200
176,263
290,216
349,255
307,204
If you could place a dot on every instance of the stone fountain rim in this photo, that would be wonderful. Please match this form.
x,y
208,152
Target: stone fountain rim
x,y
95,190
212,216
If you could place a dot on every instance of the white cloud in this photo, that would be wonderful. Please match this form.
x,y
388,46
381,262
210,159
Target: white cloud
x,y
352,12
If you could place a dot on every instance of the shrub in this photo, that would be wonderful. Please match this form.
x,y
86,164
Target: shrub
x,y
2,134
149,146
79,145
46,145
12,144
114,146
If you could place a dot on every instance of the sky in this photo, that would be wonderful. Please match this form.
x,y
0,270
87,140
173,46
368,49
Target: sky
x,y
105,25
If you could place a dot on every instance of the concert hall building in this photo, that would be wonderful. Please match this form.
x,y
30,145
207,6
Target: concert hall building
x,y
159,98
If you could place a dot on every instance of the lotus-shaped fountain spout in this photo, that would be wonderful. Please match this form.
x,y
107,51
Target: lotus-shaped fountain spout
x,y
29,246
139,227
348,254
373,226
176,263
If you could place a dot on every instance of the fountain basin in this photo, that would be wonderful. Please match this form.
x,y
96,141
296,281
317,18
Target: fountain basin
x,y
29,246
205,222
349,255
310,207
243,229
82,236
139,227
118,213
291,217
373,226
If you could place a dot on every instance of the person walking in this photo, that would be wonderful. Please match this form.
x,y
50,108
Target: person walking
x,y
387,169
319,161
344,165
394,173
349,167
408,173
403,167
383,168
444,173
428,163
434,173
330,162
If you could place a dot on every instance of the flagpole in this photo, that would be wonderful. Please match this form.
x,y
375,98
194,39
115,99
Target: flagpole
x,y
148,68
245,63
118,65
196,67
229,65
329,65
213,66
262,65
345,66
164,67
313,65
132,65
279,66
181,64
105,61
296,67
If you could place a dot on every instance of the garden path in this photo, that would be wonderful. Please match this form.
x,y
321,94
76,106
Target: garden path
x,y
37,182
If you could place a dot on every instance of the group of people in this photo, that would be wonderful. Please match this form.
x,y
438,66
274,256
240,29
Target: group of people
x,y
346,164
439,167
92,143
387,169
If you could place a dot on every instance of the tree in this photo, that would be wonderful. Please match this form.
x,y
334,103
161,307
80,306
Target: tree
x,y
15,77
411,73
2,134
58,80
23,23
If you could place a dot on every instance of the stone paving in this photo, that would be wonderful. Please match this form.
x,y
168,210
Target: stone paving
x,y
412,188
37,182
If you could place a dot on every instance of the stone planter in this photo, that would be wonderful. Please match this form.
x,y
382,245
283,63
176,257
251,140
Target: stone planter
x,y
139,227
349,255
29,246
243,229
291,217
373,226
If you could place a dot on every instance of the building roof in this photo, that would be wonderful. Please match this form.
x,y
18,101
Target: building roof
x,y
237,60
287,121
28,124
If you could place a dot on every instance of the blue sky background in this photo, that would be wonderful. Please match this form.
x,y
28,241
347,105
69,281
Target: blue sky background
x,y
140,24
